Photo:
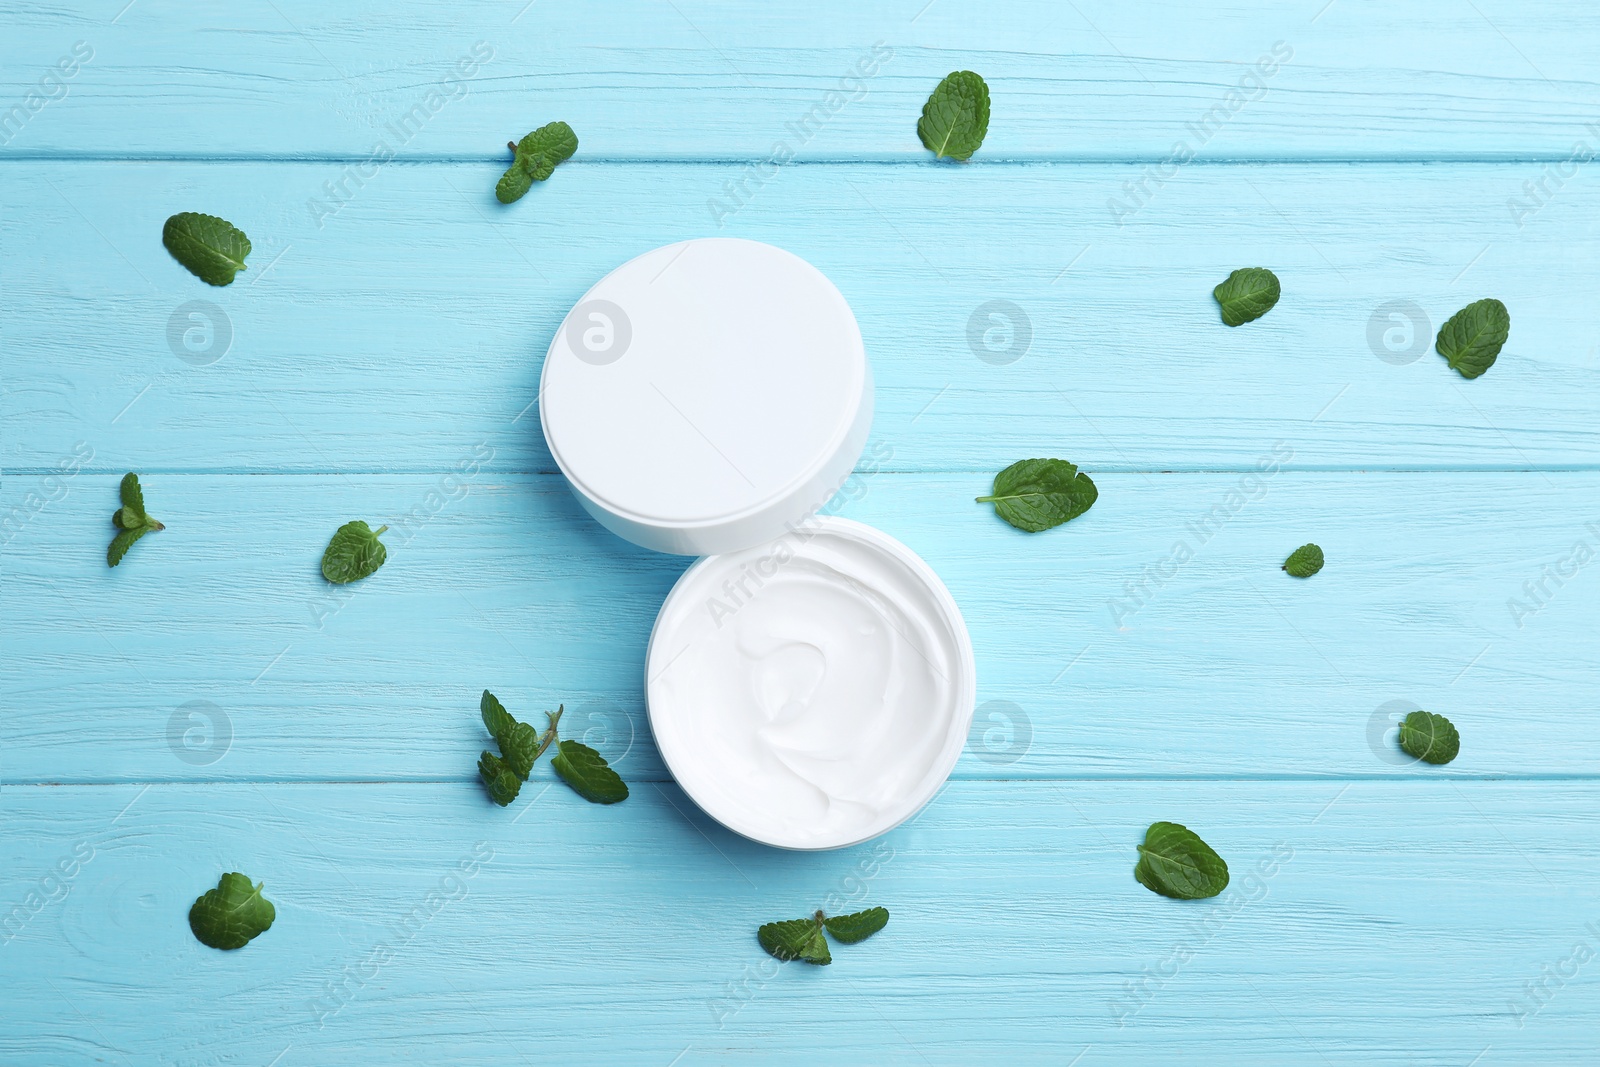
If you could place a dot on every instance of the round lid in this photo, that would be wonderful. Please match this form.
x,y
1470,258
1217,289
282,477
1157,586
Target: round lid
x,y
706,395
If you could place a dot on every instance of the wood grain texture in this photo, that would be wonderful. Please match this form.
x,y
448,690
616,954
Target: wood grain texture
x,y
410,329
213,705
1214,666
1353,930
717,79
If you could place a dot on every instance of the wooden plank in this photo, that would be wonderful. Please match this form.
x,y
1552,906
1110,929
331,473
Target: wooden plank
x,y
1388,923
1467,594
425,305
701,79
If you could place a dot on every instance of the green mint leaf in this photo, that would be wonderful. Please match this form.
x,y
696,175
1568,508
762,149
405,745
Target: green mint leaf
x,y
858,926
212,249
519,747
956,116
545,147
122,542
1174,862
1304,561
1471,340
132,498
796,939
130,518
537,155
1036,494
231,915
1428,737
496,719
354,552
586,771
513,183
1247,295
502,783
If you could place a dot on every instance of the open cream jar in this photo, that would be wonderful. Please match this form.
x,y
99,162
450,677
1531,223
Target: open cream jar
x,y
810,681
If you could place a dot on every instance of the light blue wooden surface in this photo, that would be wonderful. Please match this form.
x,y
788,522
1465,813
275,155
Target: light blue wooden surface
x,y
1398,915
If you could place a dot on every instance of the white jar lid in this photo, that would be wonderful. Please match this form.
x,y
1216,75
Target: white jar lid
x,y
706,395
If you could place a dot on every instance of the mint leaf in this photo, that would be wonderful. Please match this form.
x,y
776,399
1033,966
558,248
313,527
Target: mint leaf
x,y
513,183
519,747
130,518
501,781
1428,737
210,248
1472,338
796,939
545,147
537,155
1304,561
587,772
121,543
132,498
1036,494
496,719
354,552
858,926
1247,295
1174,862
231,915
956,116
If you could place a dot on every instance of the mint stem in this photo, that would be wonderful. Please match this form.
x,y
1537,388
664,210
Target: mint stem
x,y
379,530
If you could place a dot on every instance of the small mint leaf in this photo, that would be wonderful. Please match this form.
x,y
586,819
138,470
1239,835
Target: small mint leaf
x,y
1036,494
354,552
122,542
513,183
796,939
1304,561
132,497
1430,738
1247,294
587,772
956,116
1174,862
231,915
1472,338
858,926
500,780
210,248
496,719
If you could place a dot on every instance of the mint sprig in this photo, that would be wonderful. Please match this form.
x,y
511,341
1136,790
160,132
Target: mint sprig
x,y
580,766
1174,862
1470,341
131,520
535,158
801,939
956,116
353,553
210,248
231,915
1247,294
1036,494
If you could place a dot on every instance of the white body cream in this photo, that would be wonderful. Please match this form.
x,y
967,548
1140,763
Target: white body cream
x,y
812,692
